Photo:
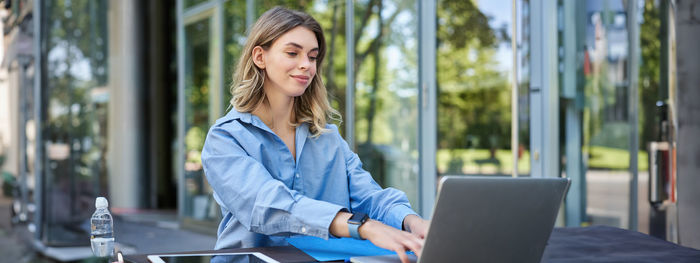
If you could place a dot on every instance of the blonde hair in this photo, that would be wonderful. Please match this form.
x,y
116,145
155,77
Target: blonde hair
x,y
312,107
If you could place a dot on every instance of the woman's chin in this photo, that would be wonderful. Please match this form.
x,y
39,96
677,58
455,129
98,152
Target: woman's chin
x,y
297,92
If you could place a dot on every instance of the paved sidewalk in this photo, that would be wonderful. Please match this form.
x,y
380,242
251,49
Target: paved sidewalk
x,y
15,241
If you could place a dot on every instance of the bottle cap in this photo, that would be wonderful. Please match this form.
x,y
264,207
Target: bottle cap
x,y
101,202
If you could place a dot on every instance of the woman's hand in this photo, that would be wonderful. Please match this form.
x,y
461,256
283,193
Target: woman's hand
x,y
416,225
391,238
382,235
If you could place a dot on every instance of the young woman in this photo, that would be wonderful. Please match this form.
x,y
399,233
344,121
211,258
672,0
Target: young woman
x,y
278,168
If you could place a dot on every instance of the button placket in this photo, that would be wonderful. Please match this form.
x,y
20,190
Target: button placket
x,y
297,182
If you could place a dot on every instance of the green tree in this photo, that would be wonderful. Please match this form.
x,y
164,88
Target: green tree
x,y
473,102
649,71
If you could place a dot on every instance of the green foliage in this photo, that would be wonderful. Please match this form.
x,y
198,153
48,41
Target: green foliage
x,y
9,183
649,71
474,96
460,24
194,139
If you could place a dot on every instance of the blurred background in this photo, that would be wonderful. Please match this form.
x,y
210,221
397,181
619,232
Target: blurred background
x,y
114,98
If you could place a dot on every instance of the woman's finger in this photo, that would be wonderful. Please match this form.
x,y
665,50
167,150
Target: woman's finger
x,y
402,254
414,244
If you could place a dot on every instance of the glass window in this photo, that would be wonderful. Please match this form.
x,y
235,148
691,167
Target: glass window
x,y
602,102
474,78
74,34
199,114
605,116
386,92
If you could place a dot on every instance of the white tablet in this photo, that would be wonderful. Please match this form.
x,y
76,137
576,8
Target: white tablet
x,y
242,257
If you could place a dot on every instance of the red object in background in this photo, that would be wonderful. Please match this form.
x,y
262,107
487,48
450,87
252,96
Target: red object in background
x,y
673,175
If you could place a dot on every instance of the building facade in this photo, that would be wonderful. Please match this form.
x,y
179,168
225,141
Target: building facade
x,y
114,98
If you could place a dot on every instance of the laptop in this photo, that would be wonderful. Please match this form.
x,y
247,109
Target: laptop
x,y
489,219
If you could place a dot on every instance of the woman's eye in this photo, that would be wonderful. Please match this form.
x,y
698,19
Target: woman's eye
x,y
292,53
312,58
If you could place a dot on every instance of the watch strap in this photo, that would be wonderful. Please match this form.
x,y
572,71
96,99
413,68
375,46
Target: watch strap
x,y
354,223
354,231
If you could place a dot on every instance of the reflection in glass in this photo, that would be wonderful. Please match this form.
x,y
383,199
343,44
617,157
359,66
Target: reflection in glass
x,y
75,36
386,88
199,203
605,117
605,124
474,74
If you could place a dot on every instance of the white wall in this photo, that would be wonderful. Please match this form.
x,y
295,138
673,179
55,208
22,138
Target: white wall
x,y
125,161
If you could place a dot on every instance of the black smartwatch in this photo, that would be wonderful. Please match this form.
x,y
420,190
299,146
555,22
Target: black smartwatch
x,y
354,223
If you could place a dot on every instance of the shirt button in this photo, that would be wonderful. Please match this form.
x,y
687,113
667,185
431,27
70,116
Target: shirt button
x,y
297,175
303,229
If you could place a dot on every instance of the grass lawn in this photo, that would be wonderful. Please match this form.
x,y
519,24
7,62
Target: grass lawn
x,y
477,161
615,159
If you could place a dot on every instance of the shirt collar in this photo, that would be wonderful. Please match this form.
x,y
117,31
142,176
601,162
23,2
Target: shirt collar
x,y
302,131
233,114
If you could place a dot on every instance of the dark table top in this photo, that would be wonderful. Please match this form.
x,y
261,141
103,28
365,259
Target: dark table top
x,y
577,244
609,244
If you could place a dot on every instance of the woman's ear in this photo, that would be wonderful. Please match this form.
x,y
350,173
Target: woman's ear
x,y
258,58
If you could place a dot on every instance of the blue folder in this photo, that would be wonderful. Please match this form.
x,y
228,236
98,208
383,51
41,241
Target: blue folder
x,y
336,248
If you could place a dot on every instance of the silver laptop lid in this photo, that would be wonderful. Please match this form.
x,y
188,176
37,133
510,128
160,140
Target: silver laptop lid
x,y
492,219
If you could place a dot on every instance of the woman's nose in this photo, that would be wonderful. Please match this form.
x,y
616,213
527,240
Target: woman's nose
x,y
305,63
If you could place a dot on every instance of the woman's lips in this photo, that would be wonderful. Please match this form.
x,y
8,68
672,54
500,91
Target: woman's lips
x,y
301,78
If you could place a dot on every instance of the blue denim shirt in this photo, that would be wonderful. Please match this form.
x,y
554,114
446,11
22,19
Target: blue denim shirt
x,y
265,195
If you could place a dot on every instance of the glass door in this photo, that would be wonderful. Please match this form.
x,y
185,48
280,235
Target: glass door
x,y
201,105
74,39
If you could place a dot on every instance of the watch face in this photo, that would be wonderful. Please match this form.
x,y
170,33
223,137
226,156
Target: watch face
x,y
358,218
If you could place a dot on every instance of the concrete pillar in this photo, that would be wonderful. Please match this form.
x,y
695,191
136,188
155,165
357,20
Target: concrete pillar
x,y
10,134
125,154
687,33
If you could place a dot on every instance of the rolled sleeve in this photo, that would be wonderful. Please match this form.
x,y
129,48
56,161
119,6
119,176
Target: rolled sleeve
x,y
318,217
396,215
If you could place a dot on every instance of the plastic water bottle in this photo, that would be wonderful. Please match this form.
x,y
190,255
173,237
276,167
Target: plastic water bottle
x,y
101,231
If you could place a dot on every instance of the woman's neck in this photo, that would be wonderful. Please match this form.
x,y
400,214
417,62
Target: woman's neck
x,y
277,111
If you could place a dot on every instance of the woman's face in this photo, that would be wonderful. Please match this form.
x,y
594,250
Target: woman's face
x,y
290,63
